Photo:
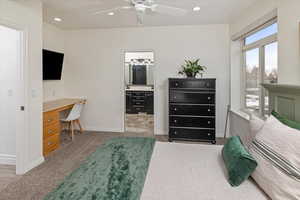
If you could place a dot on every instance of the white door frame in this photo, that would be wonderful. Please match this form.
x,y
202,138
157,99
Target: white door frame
x,y
22,128
123,53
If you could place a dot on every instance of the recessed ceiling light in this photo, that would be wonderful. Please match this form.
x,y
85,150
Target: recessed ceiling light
x,y
111,13
197,8
57,19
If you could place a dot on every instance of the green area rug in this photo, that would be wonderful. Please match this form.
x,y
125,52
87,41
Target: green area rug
x,y
116,171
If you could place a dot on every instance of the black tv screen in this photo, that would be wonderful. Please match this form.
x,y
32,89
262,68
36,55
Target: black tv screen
x,y
52,65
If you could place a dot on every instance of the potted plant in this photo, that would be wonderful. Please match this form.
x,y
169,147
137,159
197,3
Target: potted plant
x,y
192,68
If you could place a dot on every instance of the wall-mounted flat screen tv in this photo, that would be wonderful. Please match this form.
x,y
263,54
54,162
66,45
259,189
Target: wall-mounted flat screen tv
x,y
52,65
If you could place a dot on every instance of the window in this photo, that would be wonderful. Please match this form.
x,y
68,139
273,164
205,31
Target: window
x,y
260,66
270,30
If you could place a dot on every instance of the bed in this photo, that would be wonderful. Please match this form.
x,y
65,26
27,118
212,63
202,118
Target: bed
x,y
192,172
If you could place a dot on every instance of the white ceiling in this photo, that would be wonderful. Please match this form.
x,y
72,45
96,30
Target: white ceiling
x,y
79,14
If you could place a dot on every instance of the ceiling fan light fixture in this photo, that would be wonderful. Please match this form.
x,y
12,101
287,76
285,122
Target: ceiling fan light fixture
x,y
196,9
57,19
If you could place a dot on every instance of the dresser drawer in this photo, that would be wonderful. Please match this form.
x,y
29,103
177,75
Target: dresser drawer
x,y
137,94
51,144
138,98
50,118
199,122
138,109
195,110
192,97
138,103
192,134
51,130
192,84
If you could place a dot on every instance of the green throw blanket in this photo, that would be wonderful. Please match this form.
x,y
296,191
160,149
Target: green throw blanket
x,y
116,171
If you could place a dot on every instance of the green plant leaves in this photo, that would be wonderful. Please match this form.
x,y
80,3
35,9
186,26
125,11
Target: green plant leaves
x,y
192,68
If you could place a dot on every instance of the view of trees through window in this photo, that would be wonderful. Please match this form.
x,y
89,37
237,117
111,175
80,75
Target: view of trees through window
x,y
258,72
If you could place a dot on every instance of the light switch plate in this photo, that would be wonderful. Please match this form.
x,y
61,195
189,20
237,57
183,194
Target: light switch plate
x,y
10,92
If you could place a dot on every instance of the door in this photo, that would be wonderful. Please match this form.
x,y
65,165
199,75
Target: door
x,y
12,120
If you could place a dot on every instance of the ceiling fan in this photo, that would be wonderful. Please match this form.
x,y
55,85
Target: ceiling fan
x,y
143,6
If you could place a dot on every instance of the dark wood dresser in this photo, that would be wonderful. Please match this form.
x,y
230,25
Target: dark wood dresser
x,y
192,109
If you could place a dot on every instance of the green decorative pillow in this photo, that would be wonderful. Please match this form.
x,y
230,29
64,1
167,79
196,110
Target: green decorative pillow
x,y
239,163
286,121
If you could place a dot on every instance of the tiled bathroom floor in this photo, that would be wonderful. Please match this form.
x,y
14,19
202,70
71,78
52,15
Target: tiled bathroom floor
x,y
140,123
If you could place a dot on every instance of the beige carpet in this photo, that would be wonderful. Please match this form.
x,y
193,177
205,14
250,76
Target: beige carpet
x,y
38,182
7,175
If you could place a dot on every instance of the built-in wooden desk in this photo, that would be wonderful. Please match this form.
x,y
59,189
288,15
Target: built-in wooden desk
x,y
51,122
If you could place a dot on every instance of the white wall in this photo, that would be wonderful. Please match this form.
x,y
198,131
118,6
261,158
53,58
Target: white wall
x,y
288,41
253,13
94,68
28,15
54,40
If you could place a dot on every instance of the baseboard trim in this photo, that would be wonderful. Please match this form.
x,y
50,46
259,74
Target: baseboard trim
x,y
100,129
34,164
7,159
160,132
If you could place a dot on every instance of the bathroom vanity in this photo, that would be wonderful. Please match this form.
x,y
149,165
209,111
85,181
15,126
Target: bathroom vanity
x,y
139,101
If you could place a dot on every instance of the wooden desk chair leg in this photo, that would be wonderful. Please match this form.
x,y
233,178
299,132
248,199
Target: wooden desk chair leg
x,y
80,127
72,130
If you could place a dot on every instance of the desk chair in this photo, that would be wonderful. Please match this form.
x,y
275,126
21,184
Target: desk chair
x,y
73,118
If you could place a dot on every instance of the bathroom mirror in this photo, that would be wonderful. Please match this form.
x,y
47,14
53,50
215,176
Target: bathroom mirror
x,y
139,68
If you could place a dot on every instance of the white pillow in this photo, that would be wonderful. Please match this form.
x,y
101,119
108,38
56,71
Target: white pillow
x,y
276,148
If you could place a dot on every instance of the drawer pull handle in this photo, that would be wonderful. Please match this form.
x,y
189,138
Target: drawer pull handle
x,y
49,120
209,134
176,84
175,132
209,122
175,109
175,121
208,110
50,132
49,143
209,98
175,97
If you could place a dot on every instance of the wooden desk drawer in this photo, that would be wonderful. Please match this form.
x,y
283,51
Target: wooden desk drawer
x,y
51,130
51,144
51,118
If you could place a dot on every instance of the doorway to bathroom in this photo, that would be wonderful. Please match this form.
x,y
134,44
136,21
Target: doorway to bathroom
x,y
139,90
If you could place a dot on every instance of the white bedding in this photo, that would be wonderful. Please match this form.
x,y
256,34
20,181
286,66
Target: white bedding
x,y
192,172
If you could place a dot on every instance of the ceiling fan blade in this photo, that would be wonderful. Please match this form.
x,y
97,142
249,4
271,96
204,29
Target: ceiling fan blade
x,y
105,11
169,10
113,10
